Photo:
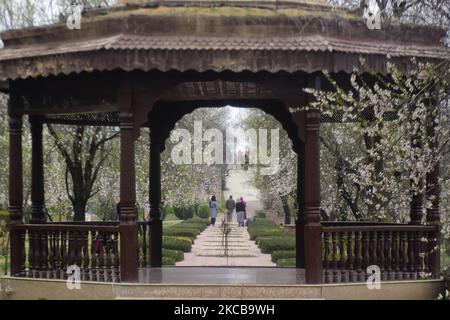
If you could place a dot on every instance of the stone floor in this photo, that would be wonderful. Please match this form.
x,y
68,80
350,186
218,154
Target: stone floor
x,y
222,275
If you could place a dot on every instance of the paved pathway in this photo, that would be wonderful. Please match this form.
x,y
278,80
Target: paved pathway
x,y
208,249
237,186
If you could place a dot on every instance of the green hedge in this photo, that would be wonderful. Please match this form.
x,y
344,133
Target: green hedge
x,y
182,232
184,213
168,261
203,211
177,243
289,262
283,254
261,222
191,226
265,232
177,255
269,245
204,221
281,236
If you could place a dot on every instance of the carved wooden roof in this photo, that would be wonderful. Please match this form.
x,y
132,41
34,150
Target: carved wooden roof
x,y
236,36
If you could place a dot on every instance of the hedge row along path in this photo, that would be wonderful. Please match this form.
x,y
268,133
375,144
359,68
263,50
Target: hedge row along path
x,y
207,249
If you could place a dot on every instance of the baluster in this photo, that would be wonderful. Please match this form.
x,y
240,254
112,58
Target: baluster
x,y
429,246
396,247
344,272
326,237
23,253
31,267
79,252
381,254
419,254
365,252
373,248
94,262
116,262
58,257
64,253
37,254
350,256
335,258
404,241
44,253
109,261
101,258
389,256
358,255
144,246
411,257
50,256
85,250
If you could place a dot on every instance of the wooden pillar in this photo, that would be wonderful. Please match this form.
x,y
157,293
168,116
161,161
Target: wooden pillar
x,y
16,193
312,229
128,226
155,196
37,171
300,222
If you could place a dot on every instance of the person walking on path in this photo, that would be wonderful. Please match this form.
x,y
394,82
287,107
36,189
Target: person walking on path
x,y
230,205
213,208
240,209
245,209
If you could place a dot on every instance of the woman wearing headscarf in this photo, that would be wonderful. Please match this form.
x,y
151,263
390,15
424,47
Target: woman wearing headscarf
x,y
213,208
240,211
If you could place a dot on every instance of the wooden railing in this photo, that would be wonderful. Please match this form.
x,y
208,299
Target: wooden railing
x,y
401,251
47,250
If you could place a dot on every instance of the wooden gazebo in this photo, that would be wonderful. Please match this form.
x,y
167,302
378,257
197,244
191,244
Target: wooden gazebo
x,y
149,64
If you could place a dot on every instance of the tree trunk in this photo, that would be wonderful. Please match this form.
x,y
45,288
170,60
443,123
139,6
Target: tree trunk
x,y
79,206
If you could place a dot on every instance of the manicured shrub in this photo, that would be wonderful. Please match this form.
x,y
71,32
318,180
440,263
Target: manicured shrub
x,y
197,219
184,212
269,245
177,255
261,222
177,243
182,232
288,262
203,211
258,239
168,261
265,232
283,254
